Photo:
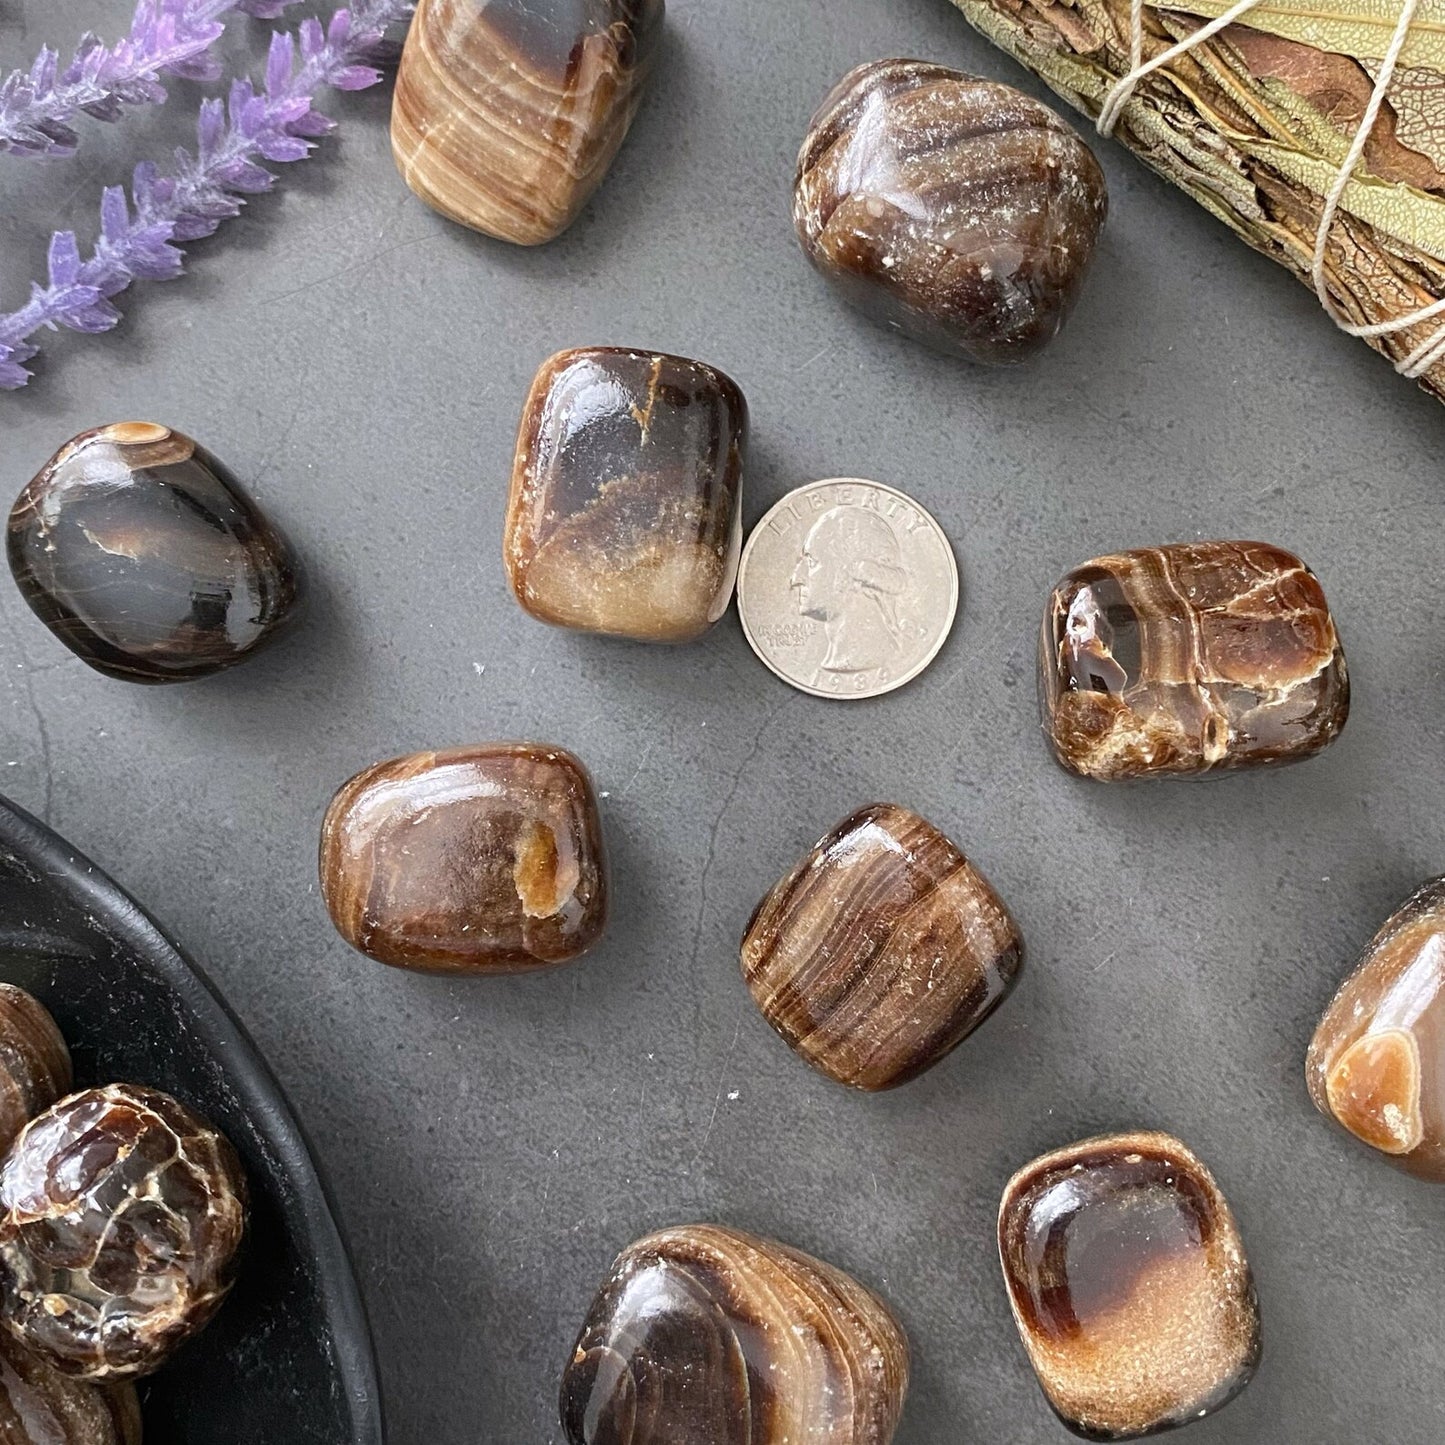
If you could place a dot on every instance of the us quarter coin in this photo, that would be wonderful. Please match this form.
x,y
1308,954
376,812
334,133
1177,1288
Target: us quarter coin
x,y
847,588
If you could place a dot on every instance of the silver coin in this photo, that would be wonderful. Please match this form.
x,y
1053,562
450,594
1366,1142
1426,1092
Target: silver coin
x,y
847,588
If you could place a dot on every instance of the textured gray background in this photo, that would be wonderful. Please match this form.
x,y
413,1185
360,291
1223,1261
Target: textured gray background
x,y
361,364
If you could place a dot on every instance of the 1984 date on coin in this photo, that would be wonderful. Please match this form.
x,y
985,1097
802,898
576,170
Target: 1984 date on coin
x,y
847,588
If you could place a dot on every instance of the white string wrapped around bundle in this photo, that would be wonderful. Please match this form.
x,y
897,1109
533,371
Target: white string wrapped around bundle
x,y
1432,349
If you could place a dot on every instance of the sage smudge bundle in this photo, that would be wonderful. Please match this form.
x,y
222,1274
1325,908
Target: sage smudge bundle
x,y
1256,121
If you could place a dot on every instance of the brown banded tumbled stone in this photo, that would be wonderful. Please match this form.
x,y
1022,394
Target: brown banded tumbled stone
x,y
625,514
1129,1285
1377,1061
143,555
121,1214
34,1062
708,1336
479,860
40,1406
507,113
1188,659
881,951
954,209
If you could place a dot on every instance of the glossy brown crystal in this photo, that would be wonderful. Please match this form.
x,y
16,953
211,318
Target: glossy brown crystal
x,y
34,1062
40,1406
954,209
1377,1061
508,113
121,1213
881,951
1189,659
626,506
479,860
142,554
709,1336
1129,1285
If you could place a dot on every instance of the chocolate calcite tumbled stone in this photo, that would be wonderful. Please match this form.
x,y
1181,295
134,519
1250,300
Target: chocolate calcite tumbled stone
x,y
508,113
40,1406
954,209
709,1336
626,505
1129,1285
34,1062
121,1214
1377,1061
1189,659
478,860
881,951
142,554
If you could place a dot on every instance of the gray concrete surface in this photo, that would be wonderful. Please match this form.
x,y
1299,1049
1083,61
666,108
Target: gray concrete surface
x,y
491,1145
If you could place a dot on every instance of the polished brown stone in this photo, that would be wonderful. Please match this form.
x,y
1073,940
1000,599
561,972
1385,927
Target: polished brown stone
x,y
709,1336
1129,1285
479,860
34,1062
881,951
1189,659
1377,1061
508,113
143,555
626,506
40,1406
121,1214
954,209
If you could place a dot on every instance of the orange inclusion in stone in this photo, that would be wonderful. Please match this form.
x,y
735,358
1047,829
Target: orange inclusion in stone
x,y
1374,1091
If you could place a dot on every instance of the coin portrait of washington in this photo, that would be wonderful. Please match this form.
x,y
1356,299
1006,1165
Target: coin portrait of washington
x,y
847,588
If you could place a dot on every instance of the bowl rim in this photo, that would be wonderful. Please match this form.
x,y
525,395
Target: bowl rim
x,y
112,910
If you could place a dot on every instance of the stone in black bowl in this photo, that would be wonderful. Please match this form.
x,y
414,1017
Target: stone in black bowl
x,y
288,1360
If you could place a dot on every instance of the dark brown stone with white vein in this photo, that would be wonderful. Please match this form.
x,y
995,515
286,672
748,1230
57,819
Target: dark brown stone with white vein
x,y
951,208
881,951
121,1213
1189,659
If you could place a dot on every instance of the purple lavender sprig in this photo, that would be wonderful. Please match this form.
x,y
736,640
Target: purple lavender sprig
x,y
140,238
167,37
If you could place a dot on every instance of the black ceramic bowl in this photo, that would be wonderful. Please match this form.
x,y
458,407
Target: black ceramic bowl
x,y
288,1360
